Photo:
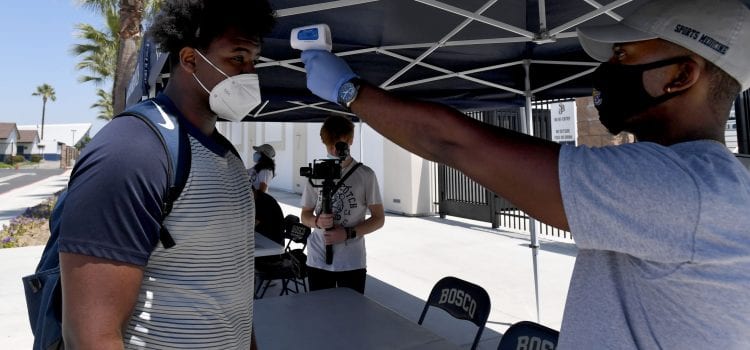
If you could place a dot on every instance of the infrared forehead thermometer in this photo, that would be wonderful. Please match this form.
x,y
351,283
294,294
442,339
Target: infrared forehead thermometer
x,y
314,37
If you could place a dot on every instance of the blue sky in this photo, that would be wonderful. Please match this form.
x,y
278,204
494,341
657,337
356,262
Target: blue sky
x,y
36,37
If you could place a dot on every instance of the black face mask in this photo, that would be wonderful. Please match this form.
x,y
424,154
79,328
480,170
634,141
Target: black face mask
x,y
619,91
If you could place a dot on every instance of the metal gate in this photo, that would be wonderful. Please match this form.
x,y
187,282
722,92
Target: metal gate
x,y
460,196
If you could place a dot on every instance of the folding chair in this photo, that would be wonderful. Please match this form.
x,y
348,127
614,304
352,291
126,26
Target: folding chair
x,y
269,217
528,335
462,300
289,267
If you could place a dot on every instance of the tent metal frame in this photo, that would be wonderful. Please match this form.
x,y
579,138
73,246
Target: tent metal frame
x,y
522,35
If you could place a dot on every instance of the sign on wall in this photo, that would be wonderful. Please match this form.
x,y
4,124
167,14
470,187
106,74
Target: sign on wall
x,y
564,122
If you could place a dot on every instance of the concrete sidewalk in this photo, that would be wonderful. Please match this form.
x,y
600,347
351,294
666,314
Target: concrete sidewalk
x,y
405,259
18,262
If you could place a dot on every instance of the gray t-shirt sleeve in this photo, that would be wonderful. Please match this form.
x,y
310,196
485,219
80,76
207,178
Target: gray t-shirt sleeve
x,y
635,199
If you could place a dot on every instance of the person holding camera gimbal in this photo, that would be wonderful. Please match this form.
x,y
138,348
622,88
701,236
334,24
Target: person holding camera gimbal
x,y
341,228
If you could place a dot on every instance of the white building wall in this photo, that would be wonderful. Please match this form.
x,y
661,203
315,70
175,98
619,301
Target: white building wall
x,y
9,146
408,182
404,179
56,134
30,148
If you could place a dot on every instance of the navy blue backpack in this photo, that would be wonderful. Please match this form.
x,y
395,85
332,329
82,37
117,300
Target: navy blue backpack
x,y
42,289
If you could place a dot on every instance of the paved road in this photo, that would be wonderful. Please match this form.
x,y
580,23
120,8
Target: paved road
x,y
28,190
11,179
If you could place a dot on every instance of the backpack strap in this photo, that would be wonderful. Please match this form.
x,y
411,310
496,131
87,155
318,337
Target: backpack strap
x,y
167,128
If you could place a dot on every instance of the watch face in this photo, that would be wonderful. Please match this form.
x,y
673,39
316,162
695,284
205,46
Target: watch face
x,y
347,92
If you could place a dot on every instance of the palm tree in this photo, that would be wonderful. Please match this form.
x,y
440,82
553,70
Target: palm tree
x,y
98,52
104,105
131,26
113,54
131,18
48,93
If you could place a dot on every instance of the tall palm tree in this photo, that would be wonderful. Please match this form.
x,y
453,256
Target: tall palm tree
x,y
131,18
118,59
98,51
48,93
104,105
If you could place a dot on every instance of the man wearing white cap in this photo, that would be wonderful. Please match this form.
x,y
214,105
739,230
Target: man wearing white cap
x,y
662,224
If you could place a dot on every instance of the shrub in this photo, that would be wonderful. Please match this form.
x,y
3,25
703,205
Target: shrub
x,y
32,219
19,158
35,158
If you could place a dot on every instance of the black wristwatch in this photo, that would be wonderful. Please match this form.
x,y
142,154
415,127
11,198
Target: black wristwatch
x,y
351,233
348,92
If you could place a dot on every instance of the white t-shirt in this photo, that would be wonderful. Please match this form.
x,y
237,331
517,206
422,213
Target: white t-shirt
x,y
263,176
350,202
664,247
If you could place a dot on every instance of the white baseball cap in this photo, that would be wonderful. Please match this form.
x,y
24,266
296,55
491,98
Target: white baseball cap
x,y
266,149
717,30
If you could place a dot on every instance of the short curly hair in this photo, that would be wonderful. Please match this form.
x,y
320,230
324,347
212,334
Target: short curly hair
x,y
196,23
334,128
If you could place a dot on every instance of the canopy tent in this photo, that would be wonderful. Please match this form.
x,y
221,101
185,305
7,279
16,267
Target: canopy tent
x,y
469,54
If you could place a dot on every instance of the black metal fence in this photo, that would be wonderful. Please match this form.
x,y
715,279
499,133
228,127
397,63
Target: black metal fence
x,y
460,196
742,116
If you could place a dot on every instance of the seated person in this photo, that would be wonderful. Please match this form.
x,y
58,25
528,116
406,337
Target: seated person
x,y
269,218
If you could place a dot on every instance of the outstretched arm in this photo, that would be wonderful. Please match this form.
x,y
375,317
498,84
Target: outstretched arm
x,y
521,168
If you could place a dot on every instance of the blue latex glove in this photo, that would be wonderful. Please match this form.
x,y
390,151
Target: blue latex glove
x,y
326,73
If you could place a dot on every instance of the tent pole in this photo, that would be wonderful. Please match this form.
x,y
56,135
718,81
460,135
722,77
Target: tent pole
x,y
534,244
361,142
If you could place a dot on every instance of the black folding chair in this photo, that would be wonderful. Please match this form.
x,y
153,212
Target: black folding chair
x,y
462,300
290,267
269,217
528,335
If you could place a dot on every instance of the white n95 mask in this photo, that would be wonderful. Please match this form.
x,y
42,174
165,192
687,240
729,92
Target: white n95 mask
x,y
234,97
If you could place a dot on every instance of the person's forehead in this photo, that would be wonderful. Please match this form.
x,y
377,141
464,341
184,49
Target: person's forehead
x,y
235,37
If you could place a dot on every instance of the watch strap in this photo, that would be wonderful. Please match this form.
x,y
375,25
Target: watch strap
x,y
357,82
351,233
